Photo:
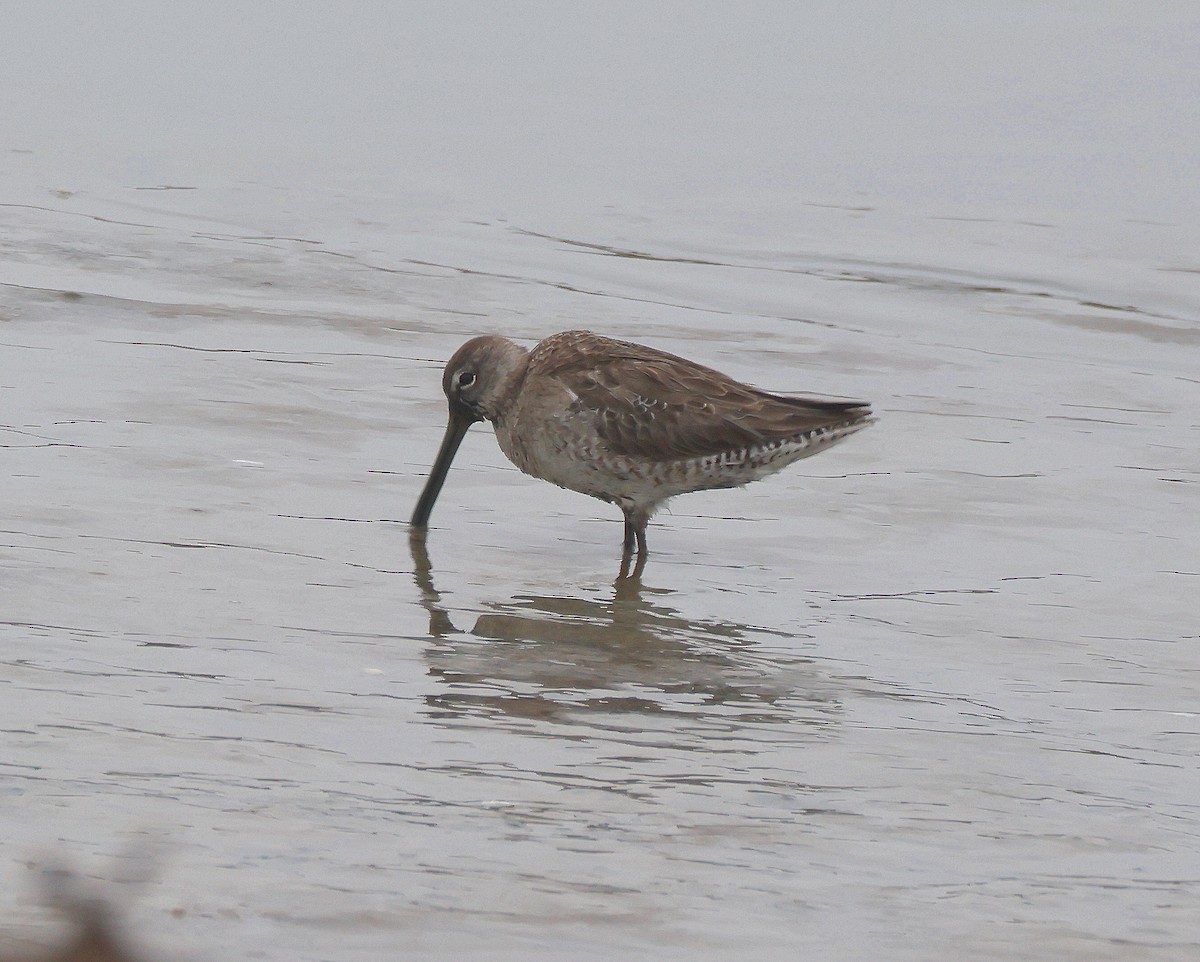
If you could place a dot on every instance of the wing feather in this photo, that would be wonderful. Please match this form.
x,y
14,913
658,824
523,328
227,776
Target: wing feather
x,y
653,405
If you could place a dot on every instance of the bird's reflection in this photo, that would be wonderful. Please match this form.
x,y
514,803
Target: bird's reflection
x,y
560,657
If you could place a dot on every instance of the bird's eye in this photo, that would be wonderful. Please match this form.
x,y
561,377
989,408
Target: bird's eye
x,y
466,379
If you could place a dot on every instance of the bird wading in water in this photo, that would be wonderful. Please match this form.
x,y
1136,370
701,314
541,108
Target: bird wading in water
x,y
625,423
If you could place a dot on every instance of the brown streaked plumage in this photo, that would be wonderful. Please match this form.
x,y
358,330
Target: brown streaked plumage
x,y
625,423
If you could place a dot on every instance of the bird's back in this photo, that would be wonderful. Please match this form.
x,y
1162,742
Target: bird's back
x,y
652,405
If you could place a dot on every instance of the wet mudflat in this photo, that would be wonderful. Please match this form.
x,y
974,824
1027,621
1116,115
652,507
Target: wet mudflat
x,y
930,695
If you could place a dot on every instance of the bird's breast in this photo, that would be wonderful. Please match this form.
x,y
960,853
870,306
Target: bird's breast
x,y
559,443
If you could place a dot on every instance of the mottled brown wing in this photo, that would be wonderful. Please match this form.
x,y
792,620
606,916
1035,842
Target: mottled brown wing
x,y
654,405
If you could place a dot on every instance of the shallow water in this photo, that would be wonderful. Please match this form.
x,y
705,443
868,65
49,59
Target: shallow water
x,y
931,695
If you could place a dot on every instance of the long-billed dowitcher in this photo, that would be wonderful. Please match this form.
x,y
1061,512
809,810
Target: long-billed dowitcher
x,y
625,423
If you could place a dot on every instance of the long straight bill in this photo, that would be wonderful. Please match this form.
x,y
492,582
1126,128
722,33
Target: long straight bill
x,y
456,430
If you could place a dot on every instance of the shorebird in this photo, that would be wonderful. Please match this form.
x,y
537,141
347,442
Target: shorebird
x,y
627,424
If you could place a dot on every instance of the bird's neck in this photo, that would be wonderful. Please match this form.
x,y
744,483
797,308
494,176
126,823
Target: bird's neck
x,y
511,381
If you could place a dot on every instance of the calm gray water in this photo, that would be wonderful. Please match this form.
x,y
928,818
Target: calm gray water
x,y
929,696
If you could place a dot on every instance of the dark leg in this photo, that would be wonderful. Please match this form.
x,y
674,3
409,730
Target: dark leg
x,y
635,531
640,532
626,577
635,540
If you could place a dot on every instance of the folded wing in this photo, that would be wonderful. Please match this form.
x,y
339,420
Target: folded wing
x,y
653,405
